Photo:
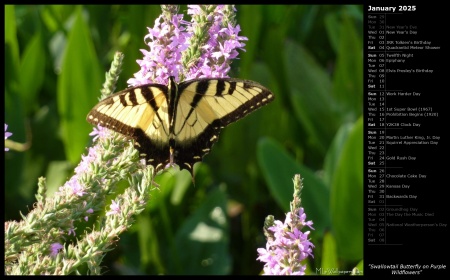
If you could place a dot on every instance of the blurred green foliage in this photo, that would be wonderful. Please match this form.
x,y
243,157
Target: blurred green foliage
x,y
310,56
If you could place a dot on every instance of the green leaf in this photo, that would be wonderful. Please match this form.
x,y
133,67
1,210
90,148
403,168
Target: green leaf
x,y
201,243
182,183
332,27
32,71
348,77
329,254
250,19
334,153
279,168
276,19
11,44
148,244
347,197
310,88
78,88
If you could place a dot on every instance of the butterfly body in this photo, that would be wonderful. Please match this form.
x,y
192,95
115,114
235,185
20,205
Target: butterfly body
x,y
178,123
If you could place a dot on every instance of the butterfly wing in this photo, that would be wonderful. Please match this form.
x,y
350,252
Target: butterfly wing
x,y
205,106
141,113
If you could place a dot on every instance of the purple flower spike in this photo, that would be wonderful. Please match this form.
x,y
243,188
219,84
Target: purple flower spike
x,y
290,246
287,246
166,40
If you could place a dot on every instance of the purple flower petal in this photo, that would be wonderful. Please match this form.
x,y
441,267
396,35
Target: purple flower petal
x,y
55,248
115,208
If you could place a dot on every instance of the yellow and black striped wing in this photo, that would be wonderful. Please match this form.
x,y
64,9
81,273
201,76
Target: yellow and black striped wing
x,y
141,113
178,123
204,107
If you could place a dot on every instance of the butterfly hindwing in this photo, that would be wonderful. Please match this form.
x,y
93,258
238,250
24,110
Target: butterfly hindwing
x,y
179,123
